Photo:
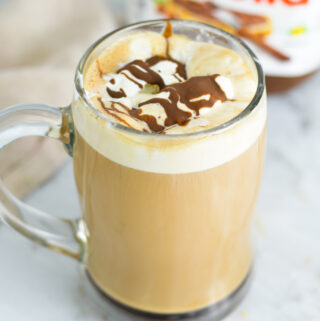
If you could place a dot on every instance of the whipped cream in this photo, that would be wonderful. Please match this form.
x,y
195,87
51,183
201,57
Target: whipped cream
x,y
160,92
167,71
119,82
169,154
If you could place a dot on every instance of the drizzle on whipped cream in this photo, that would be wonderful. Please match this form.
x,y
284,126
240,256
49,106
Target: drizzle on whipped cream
x,y
158,93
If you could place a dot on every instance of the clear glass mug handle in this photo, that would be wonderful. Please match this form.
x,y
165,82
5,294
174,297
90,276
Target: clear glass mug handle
x,y
66,236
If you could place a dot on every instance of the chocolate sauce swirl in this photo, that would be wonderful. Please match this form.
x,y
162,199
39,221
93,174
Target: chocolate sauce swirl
x,y
180,70
195,93
141,70
184,99
115,112
116,94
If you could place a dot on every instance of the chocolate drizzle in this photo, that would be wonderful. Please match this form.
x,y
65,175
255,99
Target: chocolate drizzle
x,y
113,111
180,101
116,94
148,119
195,93
180,70
167,33
141,70
131,79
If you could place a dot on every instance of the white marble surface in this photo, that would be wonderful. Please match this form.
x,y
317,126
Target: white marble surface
x,y
37,285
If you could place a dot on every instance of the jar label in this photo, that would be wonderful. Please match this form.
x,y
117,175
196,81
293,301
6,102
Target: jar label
x,y
283,33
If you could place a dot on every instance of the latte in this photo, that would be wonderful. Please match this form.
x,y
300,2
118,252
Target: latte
x,y
167,202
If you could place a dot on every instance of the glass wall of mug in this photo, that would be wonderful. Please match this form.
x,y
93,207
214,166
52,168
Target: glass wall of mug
x,y
168,216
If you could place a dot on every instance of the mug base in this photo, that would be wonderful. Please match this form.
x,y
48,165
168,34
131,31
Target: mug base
x,y
120,312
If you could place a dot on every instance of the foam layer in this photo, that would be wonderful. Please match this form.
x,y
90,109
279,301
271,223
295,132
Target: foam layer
x,y
167,153
111,84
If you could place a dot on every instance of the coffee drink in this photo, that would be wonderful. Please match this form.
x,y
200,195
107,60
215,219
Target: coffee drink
x,y
167,198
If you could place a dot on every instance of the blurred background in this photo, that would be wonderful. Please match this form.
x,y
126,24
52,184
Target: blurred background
x,y
42,42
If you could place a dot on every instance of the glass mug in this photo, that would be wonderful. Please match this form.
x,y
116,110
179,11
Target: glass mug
x,y
153,245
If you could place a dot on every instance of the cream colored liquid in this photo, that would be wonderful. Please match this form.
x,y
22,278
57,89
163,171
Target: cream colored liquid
x,y
168,243
169,219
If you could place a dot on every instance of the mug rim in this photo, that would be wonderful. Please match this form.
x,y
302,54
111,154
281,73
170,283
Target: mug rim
x,y
254,103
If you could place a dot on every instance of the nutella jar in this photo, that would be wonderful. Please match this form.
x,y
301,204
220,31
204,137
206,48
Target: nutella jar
x,y
283,33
